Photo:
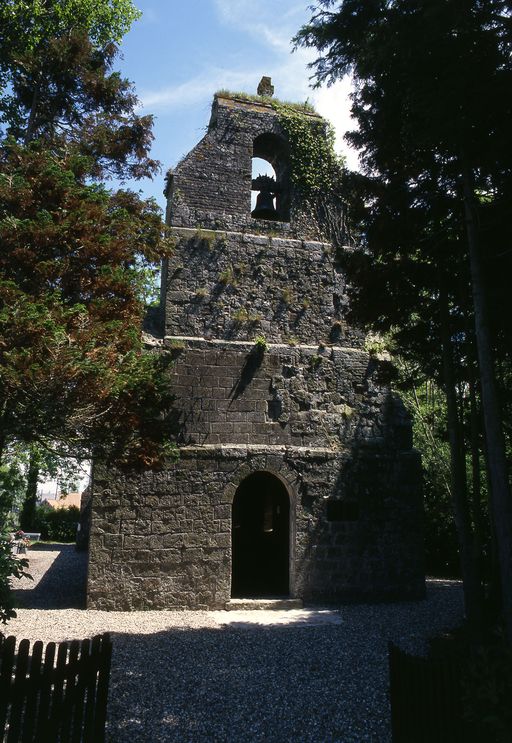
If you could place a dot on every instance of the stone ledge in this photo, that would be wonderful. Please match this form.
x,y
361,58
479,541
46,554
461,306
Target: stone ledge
x,y
238,450
258,237
263,604
233,101
199,343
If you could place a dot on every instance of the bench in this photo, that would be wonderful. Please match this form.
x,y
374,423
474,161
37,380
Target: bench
x,y
19,546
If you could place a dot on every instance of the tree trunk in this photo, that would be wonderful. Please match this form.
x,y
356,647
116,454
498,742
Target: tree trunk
x,y
31,125
495,440
28,511
3,438
472,587
476,475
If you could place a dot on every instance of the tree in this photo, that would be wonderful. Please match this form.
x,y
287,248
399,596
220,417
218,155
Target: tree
x,y
74,378
72,371
433,116
427,404
67,95
71,362
12,487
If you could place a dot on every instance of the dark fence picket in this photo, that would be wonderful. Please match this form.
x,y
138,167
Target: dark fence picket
x,y
91,690
18,692
43,722
7,657
33,689
81,687
59,676
61,699
70,691
102,688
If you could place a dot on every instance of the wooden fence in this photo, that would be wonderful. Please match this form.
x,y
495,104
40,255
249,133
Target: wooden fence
x,y
425,697
56,694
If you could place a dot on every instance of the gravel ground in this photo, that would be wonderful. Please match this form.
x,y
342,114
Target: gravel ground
x,y
189,676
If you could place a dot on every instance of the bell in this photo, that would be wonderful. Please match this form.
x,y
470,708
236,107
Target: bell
x,y
264,208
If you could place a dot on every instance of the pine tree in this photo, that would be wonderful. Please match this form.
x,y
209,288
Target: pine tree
x,y
72,370
434,117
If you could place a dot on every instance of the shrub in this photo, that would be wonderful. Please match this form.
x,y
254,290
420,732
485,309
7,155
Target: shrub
x,y
57,525
10,567
261,344
486,693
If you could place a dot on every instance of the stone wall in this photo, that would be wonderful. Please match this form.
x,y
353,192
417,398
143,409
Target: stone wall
x,y
238,285
163,540
211,187
325,422
298,396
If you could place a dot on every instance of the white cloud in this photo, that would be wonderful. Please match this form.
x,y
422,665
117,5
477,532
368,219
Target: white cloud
x,y
198,89
333,104
259,21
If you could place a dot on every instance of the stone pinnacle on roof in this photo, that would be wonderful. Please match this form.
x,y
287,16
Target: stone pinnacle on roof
x,y
265,87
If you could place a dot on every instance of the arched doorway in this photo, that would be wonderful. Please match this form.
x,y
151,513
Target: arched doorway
x,y
260,538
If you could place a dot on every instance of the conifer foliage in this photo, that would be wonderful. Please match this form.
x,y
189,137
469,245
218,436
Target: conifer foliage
x,y
72,372
433,108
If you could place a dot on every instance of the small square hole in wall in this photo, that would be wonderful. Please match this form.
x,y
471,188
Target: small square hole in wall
x,y
339,510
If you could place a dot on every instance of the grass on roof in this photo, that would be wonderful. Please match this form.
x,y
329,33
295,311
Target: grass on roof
x,y
306,106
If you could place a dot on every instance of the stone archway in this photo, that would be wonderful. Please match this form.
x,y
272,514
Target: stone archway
x,y
260,538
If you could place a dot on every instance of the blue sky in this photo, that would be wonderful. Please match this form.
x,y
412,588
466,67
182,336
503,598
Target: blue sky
x,y
180,53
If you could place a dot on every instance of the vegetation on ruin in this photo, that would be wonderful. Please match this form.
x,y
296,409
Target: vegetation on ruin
x,y
318,174
228,277
261,344
319,177
314,163
240,95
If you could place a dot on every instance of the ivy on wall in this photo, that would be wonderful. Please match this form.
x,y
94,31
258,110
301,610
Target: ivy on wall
x,y
315,167
317,172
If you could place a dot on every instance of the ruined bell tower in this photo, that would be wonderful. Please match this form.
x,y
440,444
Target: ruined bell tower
x,y
296,476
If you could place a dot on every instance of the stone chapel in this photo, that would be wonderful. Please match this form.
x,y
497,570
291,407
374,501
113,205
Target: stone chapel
x,y
296,476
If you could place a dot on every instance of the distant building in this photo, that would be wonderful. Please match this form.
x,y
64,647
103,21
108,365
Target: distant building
x,y
63,501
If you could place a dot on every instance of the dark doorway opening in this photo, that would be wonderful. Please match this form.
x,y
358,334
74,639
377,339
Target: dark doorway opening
x,y
260,538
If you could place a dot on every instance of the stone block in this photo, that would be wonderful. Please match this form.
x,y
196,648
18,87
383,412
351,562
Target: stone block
x,y
113,541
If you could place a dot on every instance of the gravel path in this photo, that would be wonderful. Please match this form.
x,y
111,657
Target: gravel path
x,y
188,676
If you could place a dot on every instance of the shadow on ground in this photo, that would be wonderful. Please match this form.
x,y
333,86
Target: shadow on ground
x,y
274,684
62,584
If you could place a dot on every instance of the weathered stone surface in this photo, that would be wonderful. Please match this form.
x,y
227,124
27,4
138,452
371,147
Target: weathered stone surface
x,y
190,560
314,409
229,285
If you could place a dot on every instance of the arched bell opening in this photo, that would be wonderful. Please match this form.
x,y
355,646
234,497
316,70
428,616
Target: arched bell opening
x,y
272,184
261,170
260,538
